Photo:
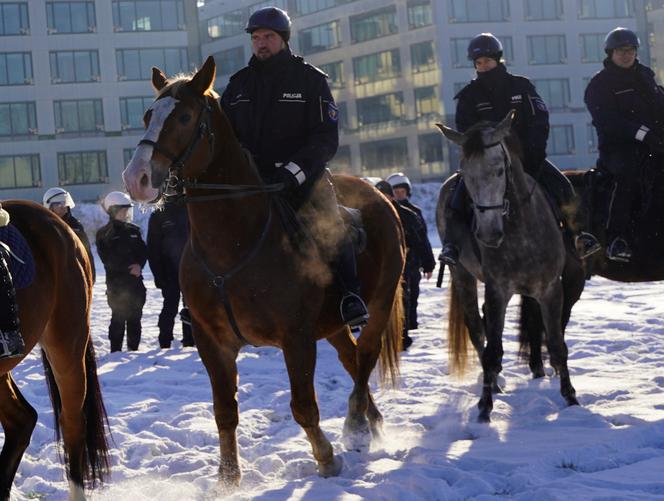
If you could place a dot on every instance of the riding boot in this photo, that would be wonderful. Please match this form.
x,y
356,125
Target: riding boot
x,y
11,341
352,308
454,225
187,336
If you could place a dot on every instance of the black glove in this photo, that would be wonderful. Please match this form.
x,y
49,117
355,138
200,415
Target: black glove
x,y
654,142
283,175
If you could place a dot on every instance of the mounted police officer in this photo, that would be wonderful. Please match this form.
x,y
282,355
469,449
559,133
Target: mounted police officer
x,y
60,202
11,340
489,97
123,252
282,111
627,107
420,261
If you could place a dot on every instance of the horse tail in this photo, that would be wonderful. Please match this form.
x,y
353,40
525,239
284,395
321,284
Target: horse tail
x,y
96,468
457,334
392,341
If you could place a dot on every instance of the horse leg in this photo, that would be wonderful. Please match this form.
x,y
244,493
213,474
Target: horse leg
x,y
220,361
18,420
355,424
496,302
300,357
551,306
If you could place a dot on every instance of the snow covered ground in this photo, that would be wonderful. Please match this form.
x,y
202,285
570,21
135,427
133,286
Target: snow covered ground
x,y
165,444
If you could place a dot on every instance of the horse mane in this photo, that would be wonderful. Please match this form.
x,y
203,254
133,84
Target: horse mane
x,y
474,144
176,82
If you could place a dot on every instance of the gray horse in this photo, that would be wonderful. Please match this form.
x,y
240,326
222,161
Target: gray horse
x,y
516,247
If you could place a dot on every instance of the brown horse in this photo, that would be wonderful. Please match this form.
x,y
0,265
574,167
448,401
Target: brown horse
x,y
54,311
246,283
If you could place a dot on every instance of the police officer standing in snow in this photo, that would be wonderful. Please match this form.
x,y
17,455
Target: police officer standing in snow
x,y
282,111
490,97
168,231
627,107
123,252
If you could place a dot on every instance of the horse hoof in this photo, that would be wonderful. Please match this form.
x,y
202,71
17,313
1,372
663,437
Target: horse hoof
x,y
331,469
484,417
571,400
356,435
538,372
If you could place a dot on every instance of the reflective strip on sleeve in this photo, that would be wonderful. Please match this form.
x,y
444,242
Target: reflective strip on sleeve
x,y
641,133
296,171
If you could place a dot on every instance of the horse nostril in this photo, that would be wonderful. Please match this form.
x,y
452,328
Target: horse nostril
x,y
144,180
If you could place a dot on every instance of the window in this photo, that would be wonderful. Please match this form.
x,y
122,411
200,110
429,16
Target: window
x,y
226,25
554,91
74,66
132,110
343,115
303,7
83,115
604,9
375,67
592,47
15,68
148,15
546,49
459,47
381,158
18,119
319,38
375,24
14,19
430,147
70,17
561,140
127,153
19,171
229,61
341,163
473,11
539,10
419,14
335,74
82,167
282,4
423,57
426,101
380,109
136,64
592,138
458,86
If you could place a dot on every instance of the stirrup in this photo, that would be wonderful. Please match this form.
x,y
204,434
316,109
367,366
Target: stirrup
x,y
11,344
588,243
353,311
619,251
449,255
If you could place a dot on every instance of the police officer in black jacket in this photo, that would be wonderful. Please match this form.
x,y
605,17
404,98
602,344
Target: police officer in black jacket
x,y
123,252
282,111
627,107
490,97
168,231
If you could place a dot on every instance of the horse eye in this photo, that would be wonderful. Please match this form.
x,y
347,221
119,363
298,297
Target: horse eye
x,y
184,119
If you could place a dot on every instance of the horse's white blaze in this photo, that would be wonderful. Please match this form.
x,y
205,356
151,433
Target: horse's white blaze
x,y
139,164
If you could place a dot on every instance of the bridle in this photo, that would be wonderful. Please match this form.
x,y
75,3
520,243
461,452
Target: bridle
x,y
505,205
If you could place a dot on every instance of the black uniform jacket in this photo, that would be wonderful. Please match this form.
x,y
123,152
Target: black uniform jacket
x,y
492,95
282,111
624,104
119,245
421,254
168,231
77,227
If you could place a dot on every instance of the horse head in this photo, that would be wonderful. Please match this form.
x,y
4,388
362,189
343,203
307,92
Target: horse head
x,y
485,165
178,142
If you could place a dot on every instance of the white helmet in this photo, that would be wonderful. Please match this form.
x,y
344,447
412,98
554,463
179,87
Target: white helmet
x,y
399,180
57,195
116,198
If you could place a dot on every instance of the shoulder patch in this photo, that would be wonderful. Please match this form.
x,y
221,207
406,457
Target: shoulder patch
x,y
332,111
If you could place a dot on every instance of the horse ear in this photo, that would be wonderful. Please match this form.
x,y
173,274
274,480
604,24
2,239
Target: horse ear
x,y
158,79
203,80
503,128
454,136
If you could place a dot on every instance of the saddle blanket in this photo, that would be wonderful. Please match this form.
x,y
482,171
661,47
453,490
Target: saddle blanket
x,y
23,273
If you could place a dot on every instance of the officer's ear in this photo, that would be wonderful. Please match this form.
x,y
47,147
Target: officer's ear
x,y
158,79
203,80
451,134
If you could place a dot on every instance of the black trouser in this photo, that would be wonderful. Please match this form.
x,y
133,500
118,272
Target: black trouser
x,y
626,183
556,185
126,300
8,308
169,309
414,277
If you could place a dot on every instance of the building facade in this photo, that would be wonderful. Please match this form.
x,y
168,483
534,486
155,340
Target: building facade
x,y
74,83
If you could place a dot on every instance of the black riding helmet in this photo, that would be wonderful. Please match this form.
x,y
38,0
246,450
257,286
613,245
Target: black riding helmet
x,y
271,18
485,45
620,37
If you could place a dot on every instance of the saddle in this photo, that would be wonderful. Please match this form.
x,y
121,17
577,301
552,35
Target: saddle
x,y
17,255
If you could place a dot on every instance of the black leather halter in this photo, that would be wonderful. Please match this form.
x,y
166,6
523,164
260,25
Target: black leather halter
x,y
505,206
